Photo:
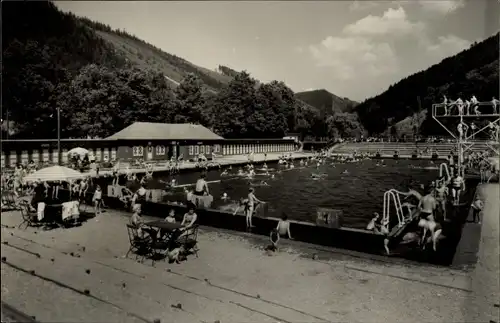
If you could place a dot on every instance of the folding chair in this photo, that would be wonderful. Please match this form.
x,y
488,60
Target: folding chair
x,y
158,245
30,218
190,240
9,200
140,246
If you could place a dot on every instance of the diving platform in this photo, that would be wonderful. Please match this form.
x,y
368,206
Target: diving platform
x,y
474,116
466,110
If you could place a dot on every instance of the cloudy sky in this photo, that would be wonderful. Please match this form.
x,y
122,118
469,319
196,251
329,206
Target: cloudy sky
x,y
351,48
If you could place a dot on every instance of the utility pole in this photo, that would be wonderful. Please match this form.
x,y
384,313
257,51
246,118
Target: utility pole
x,y
58,136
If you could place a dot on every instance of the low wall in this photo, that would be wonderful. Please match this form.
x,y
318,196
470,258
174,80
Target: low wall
x,y
344,238
393,156
352,239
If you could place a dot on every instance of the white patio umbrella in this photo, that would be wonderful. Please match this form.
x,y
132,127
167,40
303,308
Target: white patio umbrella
x,y
54,173
82,152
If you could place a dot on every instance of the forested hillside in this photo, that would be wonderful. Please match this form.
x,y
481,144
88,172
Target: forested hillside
x,y
471,72
326,102
102,80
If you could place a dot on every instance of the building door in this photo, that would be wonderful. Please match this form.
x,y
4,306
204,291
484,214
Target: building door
x,y
149,155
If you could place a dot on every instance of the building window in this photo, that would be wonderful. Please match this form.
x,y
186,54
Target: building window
x,y
138,151
217,148
191,150
202,149
196,150
160,150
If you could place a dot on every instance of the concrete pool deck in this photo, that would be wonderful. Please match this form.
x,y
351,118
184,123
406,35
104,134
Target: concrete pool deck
x,y
233,280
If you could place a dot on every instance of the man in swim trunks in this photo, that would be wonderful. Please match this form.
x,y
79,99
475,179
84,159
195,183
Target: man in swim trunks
x,y
427,205
201,188
441,194
457,186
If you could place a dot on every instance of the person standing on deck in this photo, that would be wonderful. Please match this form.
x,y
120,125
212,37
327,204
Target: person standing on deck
x,y
467,107
494,103
97,200
445,105
441,195
460,106
475,104
477,208
427,205
252,201
457,186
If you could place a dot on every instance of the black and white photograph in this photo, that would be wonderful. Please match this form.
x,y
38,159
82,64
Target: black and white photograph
x,y
250,161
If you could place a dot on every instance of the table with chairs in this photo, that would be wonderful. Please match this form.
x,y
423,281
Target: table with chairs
x,y
155,239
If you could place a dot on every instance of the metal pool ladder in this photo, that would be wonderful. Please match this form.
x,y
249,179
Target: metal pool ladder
x,y
443,169
392,196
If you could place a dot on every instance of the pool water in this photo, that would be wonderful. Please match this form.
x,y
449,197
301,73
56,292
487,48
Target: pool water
x,y
355,188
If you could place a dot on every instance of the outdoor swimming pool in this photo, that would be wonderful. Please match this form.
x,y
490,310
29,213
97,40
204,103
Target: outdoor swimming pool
x,y
355,188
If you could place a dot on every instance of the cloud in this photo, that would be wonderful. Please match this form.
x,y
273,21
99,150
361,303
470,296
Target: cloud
x,y
357,5
447,46
442,7
350,57
393,22
439,7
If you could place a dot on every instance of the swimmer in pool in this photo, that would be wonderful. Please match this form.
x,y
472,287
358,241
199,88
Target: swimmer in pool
x,y
251,173
272,176
263,183
240,172
264,166
224,196
346,172
224,173
292,166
